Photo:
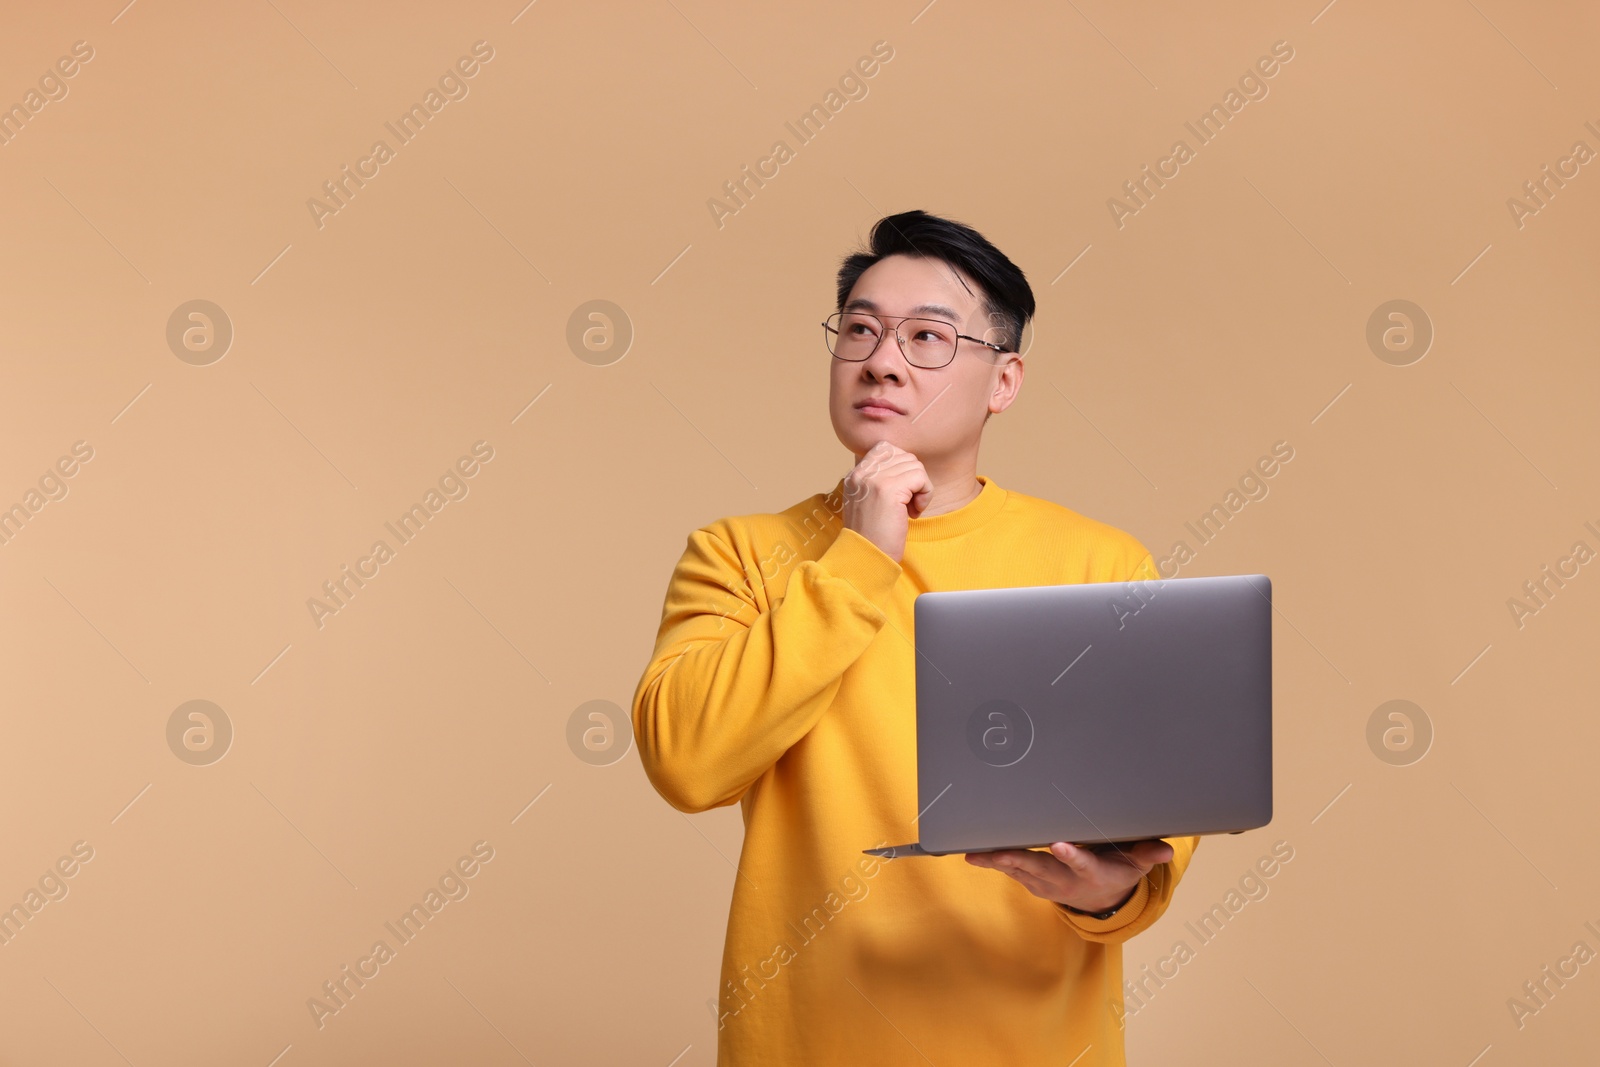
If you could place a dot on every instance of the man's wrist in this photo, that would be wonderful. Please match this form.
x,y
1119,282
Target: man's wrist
x,y
1105,913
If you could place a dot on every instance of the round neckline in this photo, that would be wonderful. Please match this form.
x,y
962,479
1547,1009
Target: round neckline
x,y
968,517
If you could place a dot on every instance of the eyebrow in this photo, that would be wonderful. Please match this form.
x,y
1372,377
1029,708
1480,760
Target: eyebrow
x,y
863,304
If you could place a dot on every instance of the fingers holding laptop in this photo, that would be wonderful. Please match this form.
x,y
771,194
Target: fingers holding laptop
x,y
1093,878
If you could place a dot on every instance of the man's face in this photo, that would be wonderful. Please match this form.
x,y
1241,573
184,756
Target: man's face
x,y
942,410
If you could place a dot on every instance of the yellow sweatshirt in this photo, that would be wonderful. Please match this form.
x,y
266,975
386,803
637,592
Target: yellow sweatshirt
x,y
783,679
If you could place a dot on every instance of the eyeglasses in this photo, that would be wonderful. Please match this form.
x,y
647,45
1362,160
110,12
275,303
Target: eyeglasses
x,y
926,343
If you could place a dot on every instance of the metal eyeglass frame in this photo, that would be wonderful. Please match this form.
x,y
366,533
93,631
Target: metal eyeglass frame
x,y
887,329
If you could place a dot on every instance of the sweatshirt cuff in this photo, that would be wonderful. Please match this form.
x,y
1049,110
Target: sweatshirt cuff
x,y
1125,914
867,568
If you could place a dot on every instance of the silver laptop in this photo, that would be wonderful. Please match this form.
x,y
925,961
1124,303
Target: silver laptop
x,y
1092,713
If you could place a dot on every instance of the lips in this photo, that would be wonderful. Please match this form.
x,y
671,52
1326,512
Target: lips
x,y
879,402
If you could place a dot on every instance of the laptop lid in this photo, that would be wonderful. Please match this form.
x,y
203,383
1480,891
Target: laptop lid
x,y
1094,712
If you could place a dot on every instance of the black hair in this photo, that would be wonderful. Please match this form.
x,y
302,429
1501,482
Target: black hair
x,y
1007,298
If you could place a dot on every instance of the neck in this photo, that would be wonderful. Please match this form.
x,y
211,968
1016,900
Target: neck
x,y
948,495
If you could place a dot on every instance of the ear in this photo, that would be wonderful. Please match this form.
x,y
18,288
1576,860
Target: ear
x,y
1008,382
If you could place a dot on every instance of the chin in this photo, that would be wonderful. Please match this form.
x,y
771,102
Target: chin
x,y
859,443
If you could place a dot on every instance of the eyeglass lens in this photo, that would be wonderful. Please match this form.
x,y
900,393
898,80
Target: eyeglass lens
x,y
928,342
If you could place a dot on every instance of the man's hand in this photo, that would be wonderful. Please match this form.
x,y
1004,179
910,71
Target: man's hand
x,y
1089,879
883,493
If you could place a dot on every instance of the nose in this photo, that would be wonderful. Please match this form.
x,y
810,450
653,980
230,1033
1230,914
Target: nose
x,y
888,359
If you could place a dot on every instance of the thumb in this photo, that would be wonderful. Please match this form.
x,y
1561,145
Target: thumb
x,y
1157,851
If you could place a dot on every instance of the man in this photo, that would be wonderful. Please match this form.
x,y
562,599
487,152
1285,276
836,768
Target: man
x,y
783,678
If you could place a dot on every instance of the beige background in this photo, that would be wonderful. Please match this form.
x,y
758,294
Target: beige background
x,y
432,310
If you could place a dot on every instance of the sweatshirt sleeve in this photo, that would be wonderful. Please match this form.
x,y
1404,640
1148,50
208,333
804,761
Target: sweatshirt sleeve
x,y
1145,569
730,687
1150,899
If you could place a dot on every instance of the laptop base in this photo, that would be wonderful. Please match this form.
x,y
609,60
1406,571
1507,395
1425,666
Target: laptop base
x,y
916,849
